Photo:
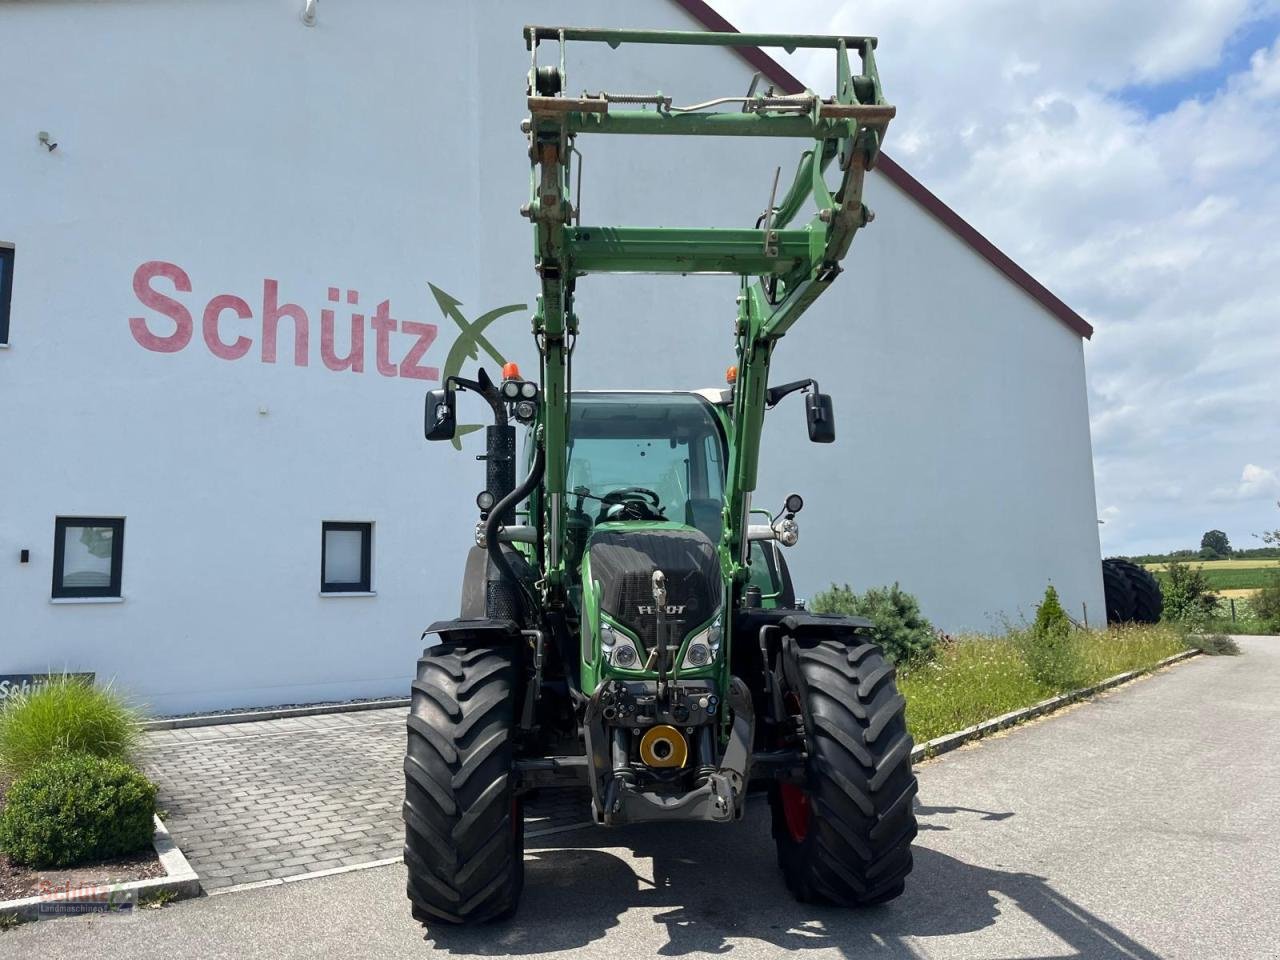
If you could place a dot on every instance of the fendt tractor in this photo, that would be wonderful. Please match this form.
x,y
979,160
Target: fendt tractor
x,y
628,622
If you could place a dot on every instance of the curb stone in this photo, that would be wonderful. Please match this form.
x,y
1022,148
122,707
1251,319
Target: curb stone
x,y
949,741
281,713
179,879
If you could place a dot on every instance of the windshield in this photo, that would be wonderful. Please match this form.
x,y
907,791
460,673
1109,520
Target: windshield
x,y
669,443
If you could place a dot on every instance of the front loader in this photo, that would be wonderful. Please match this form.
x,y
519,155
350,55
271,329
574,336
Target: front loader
x,y
628,622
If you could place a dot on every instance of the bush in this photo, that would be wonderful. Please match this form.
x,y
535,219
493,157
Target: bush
x,y
1187,596
898,626
64,715
74,809
1266,602
1049,648
1050,617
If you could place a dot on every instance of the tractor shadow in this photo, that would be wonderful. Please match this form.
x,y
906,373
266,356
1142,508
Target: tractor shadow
x,y
710,886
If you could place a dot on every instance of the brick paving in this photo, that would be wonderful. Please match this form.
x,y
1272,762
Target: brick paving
x,y
248,802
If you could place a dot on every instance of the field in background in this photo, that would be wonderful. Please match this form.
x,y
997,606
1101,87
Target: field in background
x,y
1245,575
1219,564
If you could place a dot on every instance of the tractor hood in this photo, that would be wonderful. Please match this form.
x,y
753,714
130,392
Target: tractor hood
x,y
623,557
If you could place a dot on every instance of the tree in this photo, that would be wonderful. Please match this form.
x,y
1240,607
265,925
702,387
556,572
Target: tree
x,y
1271,537
1214,544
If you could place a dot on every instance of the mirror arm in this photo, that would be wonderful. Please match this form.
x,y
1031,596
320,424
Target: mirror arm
x,y
487,389
774,395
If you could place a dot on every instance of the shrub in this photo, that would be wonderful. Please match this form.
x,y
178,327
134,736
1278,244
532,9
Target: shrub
x,y
64,715
898,625
74,809
1265,604
1187,596
1050,617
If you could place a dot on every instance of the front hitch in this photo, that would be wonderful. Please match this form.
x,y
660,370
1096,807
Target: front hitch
x,y
617,799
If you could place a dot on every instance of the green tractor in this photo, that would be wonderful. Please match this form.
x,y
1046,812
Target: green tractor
x,y
628,622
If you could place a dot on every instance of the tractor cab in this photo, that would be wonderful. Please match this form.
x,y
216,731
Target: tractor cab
x,y
645,481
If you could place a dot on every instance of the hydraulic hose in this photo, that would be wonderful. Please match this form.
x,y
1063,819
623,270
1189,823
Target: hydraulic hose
x,y
501,509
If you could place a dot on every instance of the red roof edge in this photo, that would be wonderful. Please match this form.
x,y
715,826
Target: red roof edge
x,y
785,81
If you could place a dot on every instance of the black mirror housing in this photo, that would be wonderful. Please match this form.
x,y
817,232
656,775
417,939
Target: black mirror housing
x,y
821,417
441,420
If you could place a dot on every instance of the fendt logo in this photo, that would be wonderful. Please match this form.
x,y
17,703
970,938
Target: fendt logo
x,y
670,609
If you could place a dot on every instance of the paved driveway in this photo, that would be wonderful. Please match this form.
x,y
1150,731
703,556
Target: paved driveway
x,y
254,802
1140,825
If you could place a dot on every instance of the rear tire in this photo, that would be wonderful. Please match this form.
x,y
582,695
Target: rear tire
x,y
464,827
1117,591
844,835
1148,601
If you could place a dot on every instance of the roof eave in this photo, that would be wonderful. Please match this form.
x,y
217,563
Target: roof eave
x,y
777,74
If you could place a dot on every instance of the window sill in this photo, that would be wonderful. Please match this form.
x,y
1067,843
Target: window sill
x,y
348,593
86,599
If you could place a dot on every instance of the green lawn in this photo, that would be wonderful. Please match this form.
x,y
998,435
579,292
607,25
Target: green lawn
x,y
976,678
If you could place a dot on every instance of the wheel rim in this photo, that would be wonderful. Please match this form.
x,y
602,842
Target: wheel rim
x,y
797,811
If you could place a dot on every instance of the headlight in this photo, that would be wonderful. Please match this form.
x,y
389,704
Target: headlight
x,y
618,649
703,647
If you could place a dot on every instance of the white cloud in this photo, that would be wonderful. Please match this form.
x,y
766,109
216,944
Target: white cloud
x,y
1161,230
1256,481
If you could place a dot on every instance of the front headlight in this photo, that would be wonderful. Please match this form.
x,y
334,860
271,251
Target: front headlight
x,y
618,649
703,648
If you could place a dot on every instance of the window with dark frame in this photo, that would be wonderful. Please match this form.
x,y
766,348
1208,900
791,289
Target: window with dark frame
x,y
6,290
346,559
88,557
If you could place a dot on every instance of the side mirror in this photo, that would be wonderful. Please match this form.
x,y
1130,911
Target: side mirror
x,y
821,417
441,421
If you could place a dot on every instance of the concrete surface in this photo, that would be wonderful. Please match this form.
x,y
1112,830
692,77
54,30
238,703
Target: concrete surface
x,y
1139,826
251,802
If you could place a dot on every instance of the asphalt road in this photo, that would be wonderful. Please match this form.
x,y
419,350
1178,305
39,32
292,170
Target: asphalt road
x,y
1139,825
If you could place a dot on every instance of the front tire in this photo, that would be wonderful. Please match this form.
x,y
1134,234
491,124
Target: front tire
x,y
464,828
844,834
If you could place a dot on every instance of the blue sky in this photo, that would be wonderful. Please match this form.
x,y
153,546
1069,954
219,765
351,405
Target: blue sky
x,y
1252,35
1127,156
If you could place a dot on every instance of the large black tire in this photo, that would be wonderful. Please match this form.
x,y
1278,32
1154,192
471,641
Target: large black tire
x,y
1148,601
464,828
845,835
1117,591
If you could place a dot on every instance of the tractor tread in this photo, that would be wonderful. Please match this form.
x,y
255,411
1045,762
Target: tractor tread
x,y
858,847
464,848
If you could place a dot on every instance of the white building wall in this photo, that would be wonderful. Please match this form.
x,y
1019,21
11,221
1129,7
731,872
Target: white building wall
x,y
379,151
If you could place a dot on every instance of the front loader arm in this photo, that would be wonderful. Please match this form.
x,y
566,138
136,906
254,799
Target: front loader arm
x,y
785,266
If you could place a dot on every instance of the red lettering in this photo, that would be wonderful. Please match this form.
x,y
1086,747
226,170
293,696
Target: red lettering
x,y
162,304
226,351
426,334
272,311
385,325
354,360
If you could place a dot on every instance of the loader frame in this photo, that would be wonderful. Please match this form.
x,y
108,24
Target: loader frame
x,y
784,264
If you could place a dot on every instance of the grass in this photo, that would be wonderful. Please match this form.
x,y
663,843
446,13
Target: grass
x,y
64,715
157,899
975,678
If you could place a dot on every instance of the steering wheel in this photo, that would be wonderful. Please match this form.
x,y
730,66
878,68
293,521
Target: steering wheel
x,y
631,503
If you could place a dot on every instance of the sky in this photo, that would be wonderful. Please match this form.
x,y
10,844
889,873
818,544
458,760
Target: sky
x,y
1126,154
